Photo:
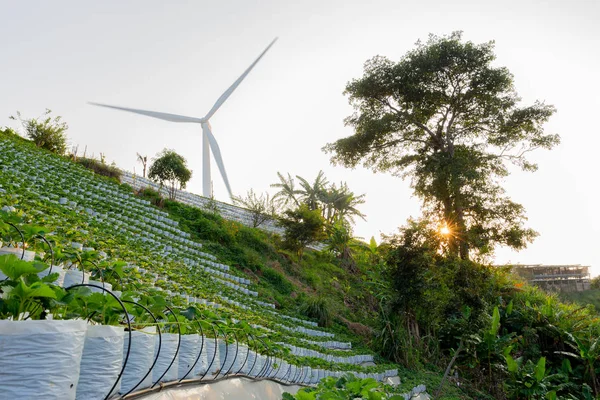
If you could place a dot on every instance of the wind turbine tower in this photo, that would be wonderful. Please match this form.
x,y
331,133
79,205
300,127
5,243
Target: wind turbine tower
x,y
209,143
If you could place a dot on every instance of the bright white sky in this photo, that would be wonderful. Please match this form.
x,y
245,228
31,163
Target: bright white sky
x,y
179,56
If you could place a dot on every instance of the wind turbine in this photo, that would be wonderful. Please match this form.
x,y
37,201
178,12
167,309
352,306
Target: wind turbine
x,y
208,140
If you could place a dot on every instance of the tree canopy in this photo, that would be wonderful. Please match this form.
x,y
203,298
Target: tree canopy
x,y
448,119
335,202
170,168
303,226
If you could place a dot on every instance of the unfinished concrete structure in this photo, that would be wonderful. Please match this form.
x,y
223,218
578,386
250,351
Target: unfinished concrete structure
x,y
565,278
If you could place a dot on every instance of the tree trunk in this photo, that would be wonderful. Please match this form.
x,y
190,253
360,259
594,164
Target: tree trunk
x,y
462,233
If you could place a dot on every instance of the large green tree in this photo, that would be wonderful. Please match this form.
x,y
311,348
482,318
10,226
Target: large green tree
x,y
450,120
171,169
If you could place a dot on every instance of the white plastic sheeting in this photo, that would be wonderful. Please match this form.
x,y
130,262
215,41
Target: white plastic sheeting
x,y
232,389
141,356
101,361
50,348
168,351
188,353
104,285
75,277
208,352
241,360
60,281
227,355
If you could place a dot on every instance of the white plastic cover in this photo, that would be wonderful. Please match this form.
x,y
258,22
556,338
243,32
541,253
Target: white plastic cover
x,y
188,353
241,360
227,355
141,356
234,389
101,362
168,351
40,359
209,352
55,269
75,277
258,367
105,285
17,251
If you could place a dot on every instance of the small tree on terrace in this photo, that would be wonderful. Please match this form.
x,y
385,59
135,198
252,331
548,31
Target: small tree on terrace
x,y
303,226
170,168
45,131
262,208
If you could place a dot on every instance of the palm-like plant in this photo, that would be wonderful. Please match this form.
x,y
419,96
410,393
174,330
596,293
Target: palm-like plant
x,y
345,205
340,204
144,161
311,194
286,196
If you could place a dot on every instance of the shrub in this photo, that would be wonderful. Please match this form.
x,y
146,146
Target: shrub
x,y
100,168
46,132
276,279
317,308
302,227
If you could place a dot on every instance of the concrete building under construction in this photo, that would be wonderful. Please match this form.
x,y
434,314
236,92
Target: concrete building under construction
x,y
565,278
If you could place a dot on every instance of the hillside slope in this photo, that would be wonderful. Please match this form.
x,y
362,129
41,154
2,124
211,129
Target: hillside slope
x,y
231,274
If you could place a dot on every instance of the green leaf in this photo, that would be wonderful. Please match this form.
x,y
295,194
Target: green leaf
x,y
512,365
14,268
509,308
566,366
540,369
373,245
377,395
551,395
42,290
495,322
302,395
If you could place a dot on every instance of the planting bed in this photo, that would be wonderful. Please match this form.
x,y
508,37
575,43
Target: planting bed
x,y
103,295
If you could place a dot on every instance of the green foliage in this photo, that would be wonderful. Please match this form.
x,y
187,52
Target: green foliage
x,y
449,119
262,208
339,241
344,388
317,308
336,203
287,195
234,243
46,131
281,284
100,168
303,226
584,298
23,294
170,168
519,344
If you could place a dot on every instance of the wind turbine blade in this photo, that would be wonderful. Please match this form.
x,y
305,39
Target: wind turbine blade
x,y
217,153
239,80
154,114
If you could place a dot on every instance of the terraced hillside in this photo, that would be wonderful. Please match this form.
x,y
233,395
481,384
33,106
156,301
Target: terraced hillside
x,y
211,317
